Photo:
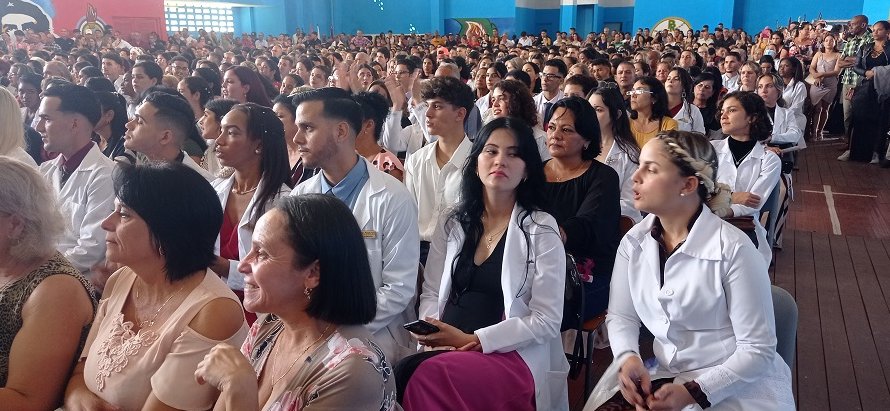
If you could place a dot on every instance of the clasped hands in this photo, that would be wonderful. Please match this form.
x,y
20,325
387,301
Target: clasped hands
x,y
636,387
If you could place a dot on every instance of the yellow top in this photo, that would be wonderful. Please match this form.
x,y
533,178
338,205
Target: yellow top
x,y
642,138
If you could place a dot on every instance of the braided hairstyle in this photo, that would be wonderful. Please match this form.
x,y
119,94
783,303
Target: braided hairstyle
x,y
694,155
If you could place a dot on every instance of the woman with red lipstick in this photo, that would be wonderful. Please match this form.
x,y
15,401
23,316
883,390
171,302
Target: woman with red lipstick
x,y
493,286
584,196
252,150
699,285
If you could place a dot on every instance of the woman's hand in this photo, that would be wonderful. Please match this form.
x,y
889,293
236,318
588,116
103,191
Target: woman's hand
x,y
670,397
447,336
746,199
634,382
224,367
84,400
869,74
396,94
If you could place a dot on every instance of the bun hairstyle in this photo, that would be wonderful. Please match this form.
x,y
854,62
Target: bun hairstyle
x,y
695,156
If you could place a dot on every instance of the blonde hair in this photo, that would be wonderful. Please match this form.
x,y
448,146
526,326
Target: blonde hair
x,y
26,195
695,156
12,131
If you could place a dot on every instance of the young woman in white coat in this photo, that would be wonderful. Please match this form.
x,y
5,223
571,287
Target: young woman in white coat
x,y
786,134
746,165
619,148
679,91
252,150
696,282
493,286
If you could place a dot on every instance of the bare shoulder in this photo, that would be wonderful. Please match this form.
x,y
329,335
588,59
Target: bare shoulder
x,y
220,319
60,295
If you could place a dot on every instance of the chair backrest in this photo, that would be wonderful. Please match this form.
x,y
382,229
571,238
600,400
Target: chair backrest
x,y
785,309
572,311
625,223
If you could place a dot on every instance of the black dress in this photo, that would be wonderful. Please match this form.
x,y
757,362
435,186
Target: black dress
x,y
587,208
869,115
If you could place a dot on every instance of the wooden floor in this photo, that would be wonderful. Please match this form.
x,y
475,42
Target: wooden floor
x,y
835,261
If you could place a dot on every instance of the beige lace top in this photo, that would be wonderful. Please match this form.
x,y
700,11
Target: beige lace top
x,y
124,367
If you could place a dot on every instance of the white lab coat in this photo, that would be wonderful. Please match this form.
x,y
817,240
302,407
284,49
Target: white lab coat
x,y
397,139
533,283
786,128
483,103
712,319
86,199
795,95
689,118
387,216
223,187
620,161
758,173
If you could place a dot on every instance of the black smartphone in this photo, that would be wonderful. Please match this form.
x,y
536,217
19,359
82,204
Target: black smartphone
x,y
421,327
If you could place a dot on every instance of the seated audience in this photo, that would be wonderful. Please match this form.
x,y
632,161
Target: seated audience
x,y
649,112
619,148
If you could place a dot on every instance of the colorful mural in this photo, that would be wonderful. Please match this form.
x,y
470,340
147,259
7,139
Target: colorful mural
x,y
479,26
36,15
44,15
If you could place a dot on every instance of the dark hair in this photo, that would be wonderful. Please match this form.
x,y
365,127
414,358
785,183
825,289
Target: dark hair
x,y
521,103
151,69
587,83
685,83
264,125
115,103
760,129
529,193
77,100
586,123
94,61
717,85
321,228
374,108
177,114
219,107
407,62
90,72
99,84
115,58
202,87
33,79
257,91
173,199
797,66
212,77
450,89
287,102
500,68
621,132
336,104
520,75
659,98
559,64
734,54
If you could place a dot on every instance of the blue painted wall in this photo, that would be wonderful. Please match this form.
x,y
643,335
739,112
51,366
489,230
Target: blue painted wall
x,y
534,20
623,15
397,15
752,17
648,12
876,9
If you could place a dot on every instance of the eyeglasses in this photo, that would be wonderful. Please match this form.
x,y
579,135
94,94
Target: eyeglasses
x,y
549,76
638,91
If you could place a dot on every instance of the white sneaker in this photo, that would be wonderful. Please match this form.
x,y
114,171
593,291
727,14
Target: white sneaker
x,y
874,159
845,156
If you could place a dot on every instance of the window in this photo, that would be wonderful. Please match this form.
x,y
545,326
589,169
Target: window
x,y
193,16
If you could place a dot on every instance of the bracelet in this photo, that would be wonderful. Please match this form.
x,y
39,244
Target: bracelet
x,y
697,394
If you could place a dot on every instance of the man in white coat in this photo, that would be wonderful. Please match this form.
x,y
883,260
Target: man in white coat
x,y
81,175
161,124
328,121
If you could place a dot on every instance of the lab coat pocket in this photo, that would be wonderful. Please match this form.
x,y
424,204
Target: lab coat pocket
x,y
375,258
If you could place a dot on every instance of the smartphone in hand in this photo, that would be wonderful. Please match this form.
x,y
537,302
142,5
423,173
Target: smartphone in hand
x,y
421,327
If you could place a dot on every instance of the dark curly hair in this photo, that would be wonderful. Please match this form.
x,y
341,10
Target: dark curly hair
x,y
761,129
450,89
521,103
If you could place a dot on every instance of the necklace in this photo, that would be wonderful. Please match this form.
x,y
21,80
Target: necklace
x,y
291,366
490,238
241,193
151,322
569,174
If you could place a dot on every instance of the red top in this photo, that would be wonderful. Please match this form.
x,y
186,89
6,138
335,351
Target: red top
x,y
228,239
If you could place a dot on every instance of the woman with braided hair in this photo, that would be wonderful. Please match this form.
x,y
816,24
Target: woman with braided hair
x,y
746,165
698,284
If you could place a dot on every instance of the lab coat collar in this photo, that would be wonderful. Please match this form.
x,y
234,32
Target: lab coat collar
x,y
703,241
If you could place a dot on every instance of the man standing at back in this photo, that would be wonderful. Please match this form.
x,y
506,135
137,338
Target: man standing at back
x,y
433,173
81,175
328,121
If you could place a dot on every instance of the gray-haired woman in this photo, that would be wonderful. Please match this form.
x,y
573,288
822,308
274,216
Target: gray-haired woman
x,y
46,308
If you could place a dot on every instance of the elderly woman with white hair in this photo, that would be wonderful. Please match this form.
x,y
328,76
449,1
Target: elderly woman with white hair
x,y
12,134
46,308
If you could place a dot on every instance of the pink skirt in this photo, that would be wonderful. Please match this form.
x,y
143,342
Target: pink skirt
x,y
469,380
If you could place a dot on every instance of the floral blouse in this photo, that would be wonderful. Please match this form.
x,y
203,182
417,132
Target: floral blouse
x,y
347,371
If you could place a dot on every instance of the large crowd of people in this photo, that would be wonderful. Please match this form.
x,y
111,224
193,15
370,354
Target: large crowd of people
x,y
384,222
